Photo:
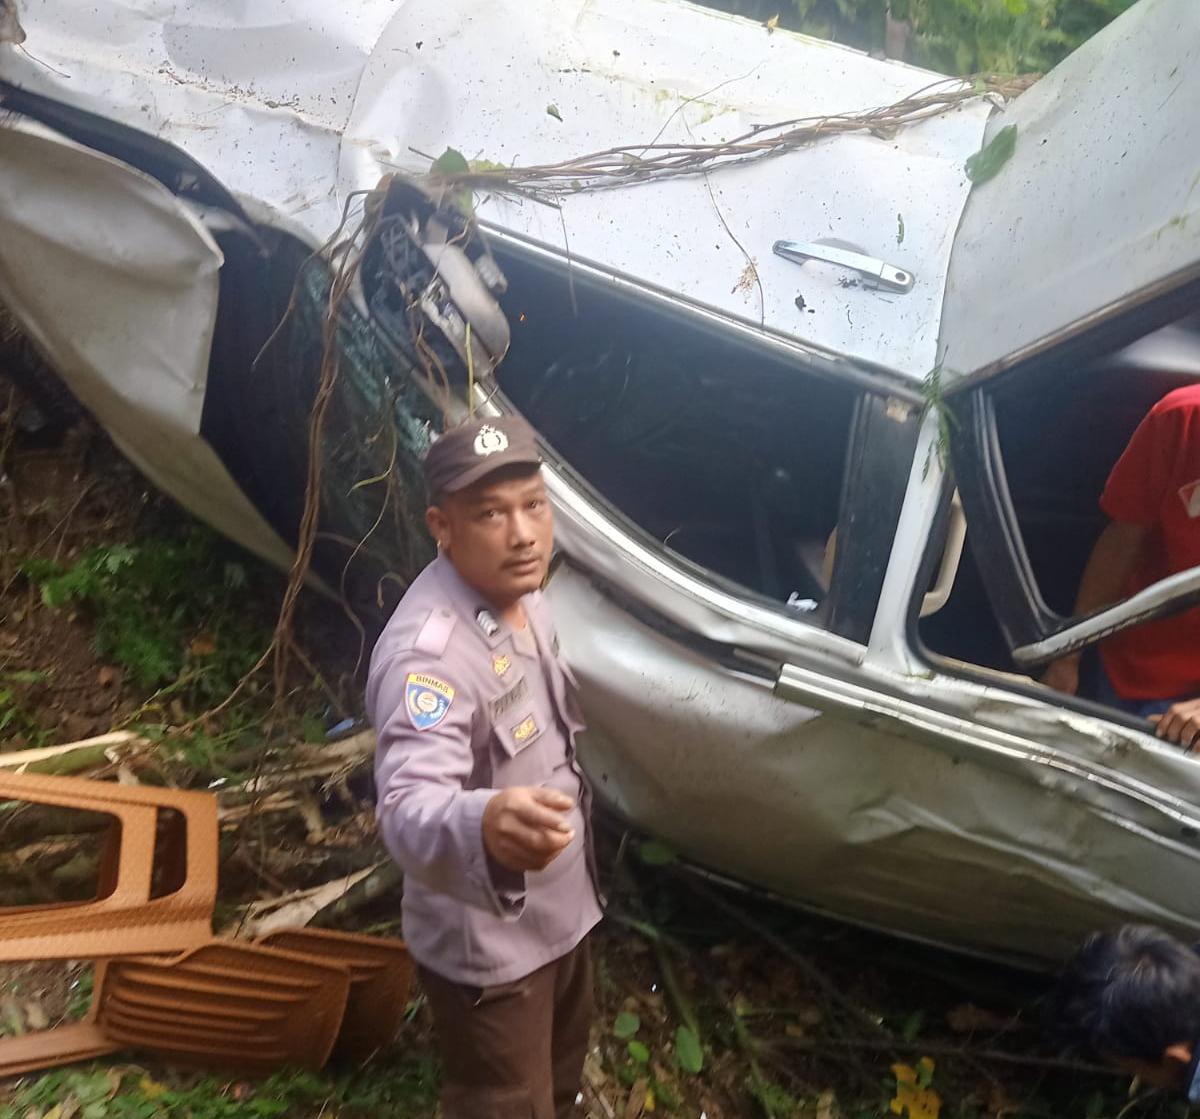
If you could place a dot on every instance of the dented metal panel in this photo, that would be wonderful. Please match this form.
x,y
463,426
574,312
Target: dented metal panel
x,y
294,105
1100,201
881,810
117,283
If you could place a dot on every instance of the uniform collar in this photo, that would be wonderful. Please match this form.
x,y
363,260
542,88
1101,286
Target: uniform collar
x,y
475,610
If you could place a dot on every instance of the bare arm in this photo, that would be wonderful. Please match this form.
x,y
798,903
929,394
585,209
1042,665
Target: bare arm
x,y
1114,557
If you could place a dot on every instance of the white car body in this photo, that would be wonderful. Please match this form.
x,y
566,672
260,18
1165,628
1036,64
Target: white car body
x,y
857,777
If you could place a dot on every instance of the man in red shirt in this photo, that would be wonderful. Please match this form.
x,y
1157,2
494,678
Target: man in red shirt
x,y
1153,501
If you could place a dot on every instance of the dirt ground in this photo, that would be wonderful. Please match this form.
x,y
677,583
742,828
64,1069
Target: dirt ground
x,y
794,1016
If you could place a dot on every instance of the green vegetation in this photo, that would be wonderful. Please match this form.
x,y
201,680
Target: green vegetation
x,y
404,1087
166,609
953,36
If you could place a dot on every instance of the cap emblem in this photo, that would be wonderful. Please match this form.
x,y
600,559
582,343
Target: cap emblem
x,y
490,441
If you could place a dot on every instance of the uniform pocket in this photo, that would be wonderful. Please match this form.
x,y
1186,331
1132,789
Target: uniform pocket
x,y
518,731
525,749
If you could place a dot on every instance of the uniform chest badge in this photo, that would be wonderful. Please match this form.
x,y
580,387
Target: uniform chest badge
x,y
428,700
525,731
501,663
490,441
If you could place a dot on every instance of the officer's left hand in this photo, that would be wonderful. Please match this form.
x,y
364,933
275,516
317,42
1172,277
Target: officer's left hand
x,y
1180,724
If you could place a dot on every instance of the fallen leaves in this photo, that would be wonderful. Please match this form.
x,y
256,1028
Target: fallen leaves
x,y
688,1050
915,1098
772,23
203,645
626,1025
969,1018
827,1105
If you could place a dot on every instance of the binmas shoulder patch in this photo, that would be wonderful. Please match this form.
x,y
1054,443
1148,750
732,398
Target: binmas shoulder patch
x,y
428,700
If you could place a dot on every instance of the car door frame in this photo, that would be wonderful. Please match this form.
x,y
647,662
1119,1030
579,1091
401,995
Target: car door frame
x,y
1034,633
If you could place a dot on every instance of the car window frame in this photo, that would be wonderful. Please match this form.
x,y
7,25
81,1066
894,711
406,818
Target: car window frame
x,y
1034,633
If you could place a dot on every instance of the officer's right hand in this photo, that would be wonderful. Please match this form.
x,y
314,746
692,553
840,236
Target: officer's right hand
x,y
525,827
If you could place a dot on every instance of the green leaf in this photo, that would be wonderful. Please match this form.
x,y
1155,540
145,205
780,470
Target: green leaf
x,y
453,162
985,164
912,1025
487,165
687,1049
638,1052
626,1025
450,162
653,853
552,109
26,676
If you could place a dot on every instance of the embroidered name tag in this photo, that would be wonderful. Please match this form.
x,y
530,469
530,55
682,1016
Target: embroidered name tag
x,y
525,732
501,704
428,700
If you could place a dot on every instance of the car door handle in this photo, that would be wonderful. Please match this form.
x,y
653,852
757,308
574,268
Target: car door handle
x,y
875,272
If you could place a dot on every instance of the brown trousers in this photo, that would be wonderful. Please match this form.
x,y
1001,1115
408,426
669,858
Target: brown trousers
x,y
514,1051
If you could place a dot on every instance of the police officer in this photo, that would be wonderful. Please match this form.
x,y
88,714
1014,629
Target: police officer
x,y
481,801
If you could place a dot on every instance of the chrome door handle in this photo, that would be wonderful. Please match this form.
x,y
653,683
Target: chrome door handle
x,y
875,272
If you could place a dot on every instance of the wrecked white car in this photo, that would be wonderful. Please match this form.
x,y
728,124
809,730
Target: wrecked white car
x,y
793,671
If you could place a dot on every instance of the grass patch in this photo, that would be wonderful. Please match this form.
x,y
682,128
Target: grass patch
x,y
397,1084
170,611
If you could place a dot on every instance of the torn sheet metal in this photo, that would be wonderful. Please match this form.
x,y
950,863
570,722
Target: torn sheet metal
x,y
117,283
1100,200
296,104
901,831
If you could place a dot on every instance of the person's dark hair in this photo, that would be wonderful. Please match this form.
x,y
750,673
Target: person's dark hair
x,y
1132,993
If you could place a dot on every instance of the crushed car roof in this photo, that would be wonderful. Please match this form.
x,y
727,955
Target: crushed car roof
x,y
295,105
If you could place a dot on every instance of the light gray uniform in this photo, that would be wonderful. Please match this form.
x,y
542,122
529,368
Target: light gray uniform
x,y
463,706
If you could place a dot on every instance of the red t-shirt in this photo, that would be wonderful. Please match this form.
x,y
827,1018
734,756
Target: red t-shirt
x,y
1156,483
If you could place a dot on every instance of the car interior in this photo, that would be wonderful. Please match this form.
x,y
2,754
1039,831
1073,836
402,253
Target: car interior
x,y
730,456
1060,432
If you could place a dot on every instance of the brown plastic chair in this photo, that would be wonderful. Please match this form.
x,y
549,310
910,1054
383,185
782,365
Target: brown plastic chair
x,y
64,1045
226,1003
136,910
381,973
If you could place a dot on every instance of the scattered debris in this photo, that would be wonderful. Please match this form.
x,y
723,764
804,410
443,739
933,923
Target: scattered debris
x,y
899,229
633,163
165,829
288,998
747,280
772,23
552,110
11,30
304,905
